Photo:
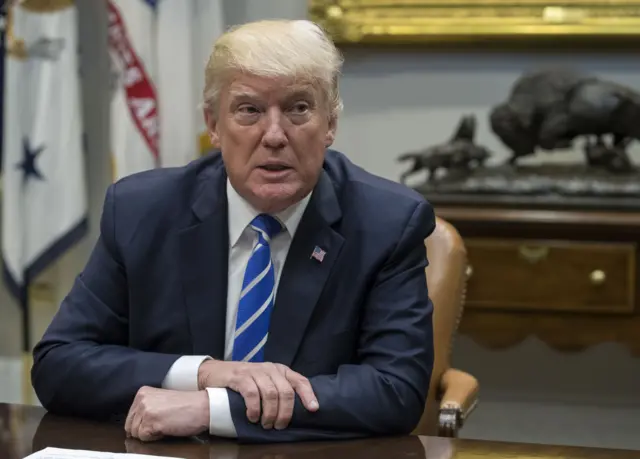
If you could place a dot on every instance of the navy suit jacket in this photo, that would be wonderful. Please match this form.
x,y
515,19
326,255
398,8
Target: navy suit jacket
x,y
358,324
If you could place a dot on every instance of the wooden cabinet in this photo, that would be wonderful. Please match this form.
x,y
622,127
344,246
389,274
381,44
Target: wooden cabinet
x,y
551,276
568,277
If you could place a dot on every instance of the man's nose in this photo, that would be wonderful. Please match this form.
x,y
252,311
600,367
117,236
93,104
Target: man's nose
x,y
274,136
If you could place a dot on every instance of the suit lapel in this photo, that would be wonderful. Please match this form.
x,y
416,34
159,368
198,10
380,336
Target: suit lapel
x,y
303,277
203,264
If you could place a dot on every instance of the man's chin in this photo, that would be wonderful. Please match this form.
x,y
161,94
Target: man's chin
x,y
275,197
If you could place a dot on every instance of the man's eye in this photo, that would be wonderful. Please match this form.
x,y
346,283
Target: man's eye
x,y
301,107
249,109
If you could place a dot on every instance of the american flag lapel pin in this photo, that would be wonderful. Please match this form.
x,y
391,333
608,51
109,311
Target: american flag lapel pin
x,y
318,254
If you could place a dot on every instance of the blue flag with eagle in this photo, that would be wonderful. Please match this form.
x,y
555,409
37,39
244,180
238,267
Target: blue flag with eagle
x,y
44,200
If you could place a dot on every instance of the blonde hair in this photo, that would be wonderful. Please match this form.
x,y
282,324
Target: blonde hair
x,y
297,49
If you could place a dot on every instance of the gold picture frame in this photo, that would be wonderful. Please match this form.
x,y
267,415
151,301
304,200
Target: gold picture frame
x,y
504,22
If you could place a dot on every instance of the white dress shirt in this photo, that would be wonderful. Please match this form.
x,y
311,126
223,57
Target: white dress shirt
x,y
183,374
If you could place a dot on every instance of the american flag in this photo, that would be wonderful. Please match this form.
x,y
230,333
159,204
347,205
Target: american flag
x,y
318,254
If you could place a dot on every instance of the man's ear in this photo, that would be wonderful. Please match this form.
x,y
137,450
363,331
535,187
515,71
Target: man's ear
x,y
331,132
212,128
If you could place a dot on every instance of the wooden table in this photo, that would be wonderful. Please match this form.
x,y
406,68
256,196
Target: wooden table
x,y
24,430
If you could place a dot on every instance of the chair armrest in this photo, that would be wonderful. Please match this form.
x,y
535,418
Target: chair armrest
x,y
459,398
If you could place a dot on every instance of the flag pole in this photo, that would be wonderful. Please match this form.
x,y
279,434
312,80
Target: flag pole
x,y
16,47
27,358
28,191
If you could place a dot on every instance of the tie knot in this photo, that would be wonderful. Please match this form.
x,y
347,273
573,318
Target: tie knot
x,y
267,225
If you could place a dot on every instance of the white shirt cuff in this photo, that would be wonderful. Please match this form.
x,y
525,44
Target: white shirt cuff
x,y
183,374
220,421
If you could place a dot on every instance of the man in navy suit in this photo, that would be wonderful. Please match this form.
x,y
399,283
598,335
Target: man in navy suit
x,y
272,291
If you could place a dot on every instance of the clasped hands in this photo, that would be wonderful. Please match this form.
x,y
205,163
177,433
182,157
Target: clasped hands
x,y
268,389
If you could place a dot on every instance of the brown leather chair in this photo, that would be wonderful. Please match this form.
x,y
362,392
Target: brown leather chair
x,y
452,393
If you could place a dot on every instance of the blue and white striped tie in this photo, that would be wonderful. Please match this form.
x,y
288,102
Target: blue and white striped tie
x,y
257,296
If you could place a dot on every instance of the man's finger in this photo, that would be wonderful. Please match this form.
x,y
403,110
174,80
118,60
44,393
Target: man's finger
x,y
251,395
127,423
130,416
147,434
303,388
147,429
144,434
135,423
286,399
270,398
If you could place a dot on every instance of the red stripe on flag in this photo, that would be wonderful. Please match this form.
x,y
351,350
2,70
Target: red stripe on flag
x,y
141,94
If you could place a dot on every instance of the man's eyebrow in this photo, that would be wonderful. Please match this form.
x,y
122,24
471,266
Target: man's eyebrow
x,y
303,92
240,94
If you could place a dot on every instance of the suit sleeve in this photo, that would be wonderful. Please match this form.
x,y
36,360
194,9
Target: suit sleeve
x,y
385,392
83,365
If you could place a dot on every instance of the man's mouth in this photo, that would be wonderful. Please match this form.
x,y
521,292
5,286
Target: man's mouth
x,y
274,167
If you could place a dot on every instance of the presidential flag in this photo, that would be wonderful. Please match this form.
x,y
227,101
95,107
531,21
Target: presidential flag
x,y
135,126
158,51
44,201
209,24
175,43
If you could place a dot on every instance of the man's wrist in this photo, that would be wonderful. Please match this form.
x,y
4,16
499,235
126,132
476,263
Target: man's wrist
x,y
210,373
202,375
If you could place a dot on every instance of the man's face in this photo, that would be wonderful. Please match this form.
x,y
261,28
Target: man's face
x,y
273,134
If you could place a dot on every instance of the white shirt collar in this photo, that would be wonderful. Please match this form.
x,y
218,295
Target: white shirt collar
x,y
241,213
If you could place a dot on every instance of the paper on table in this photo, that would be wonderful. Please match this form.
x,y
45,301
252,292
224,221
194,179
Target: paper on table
x,y
60,453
